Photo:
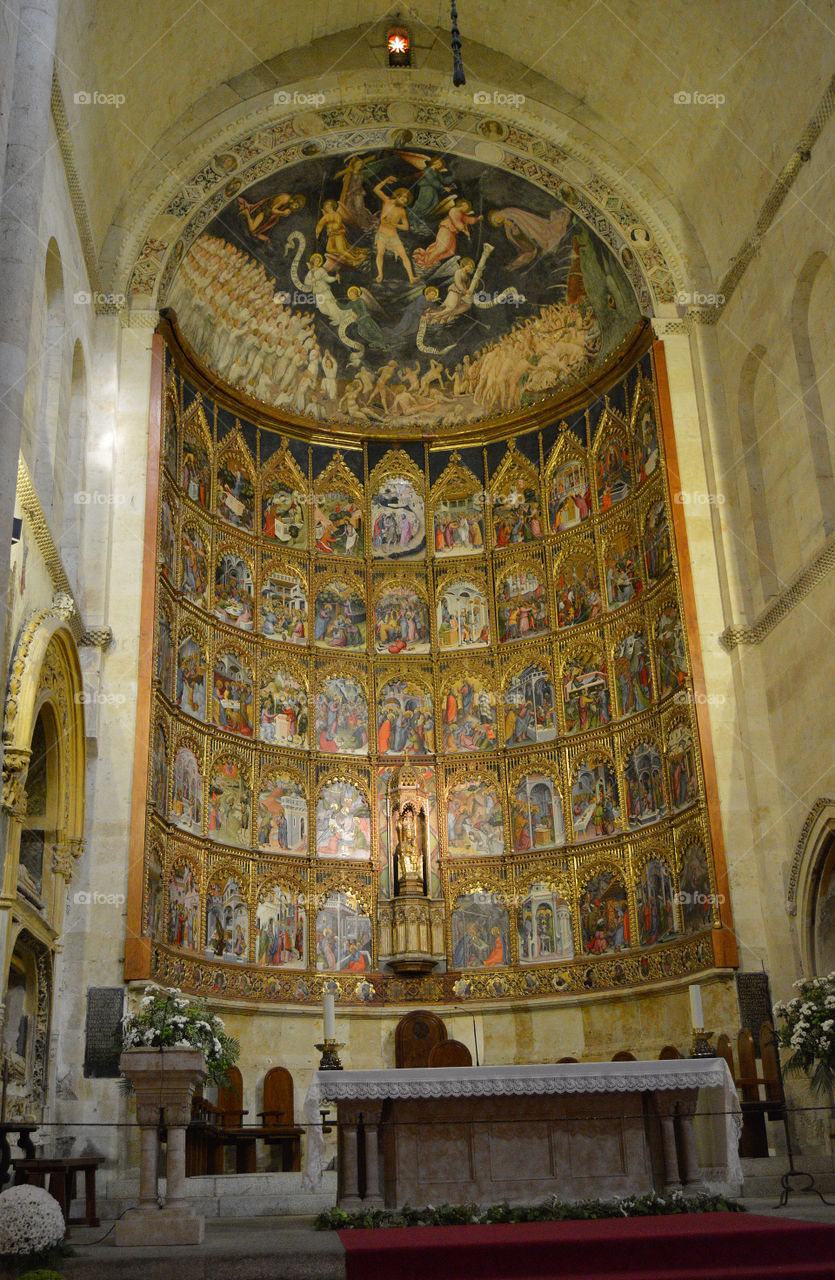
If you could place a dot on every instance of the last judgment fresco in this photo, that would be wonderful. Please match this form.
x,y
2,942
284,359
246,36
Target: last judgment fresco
x,y
400,287
400,674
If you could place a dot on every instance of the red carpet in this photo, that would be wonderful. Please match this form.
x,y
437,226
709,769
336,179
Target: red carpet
x,y
698,1246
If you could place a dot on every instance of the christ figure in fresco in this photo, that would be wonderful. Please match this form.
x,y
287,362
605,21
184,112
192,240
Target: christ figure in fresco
x,y
393,220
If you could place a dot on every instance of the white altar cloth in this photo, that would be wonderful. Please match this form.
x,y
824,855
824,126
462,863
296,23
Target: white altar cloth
x,y
718,1112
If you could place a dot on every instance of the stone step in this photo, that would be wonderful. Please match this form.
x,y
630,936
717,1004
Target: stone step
x,y
762,1176
244,1195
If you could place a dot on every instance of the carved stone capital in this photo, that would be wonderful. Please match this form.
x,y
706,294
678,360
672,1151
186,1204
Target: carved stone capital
x,y
63,861
15,769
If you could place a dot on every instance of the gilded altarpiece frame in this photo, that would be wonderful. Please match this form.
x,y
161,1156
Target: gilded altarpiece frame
x,y
578,515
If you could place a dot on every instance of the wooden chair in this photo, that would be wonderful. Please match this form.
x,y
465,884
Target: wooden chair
x,y
450,1053
416,1036
227,1128
668,1052
623,1055
761,1096
278,1117
200,1140
230,1101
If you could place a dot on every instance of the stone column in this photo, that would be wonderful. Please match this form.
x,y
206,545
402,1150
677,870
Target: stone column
x,y
349,1197
374,1198
175,1168
21,253
148,1159
164,1081
689,1150
665,1108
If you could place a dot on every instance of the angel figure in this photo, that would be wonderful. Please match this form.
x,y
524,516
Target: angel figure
x,y
431,188
529,234
458,220
262,215
352,198
362,303
338,252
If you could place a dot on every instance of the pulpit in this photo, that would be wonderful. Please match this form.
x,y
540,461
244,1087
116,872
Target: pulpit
x,y
518,1134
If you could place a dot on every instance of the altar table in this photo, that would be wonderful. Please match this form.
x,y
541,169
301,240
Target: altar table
x,y
517,1134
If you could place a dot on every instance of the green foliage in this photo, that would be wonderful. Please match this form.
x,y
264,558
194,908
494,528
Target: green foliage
x,y
165,1018
553,1210
809,1031
34,1266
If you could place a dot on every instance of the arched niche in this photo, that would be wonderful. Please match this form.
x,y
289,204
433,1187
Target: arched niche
x,y
27,983
811,889
43,814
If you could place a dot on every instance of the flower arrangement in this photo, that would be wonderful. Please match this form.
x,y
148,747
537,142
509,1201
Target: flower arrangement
x,y
31,1221
166,1019
809,1031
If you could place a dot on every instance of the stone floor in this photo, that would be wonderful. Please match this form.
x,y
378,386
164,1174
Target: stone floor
x,y
285,1248
234,1249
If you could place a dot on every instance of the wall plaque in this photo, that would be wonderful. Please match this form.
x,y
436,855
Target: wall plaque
x,y
754,995
103,1032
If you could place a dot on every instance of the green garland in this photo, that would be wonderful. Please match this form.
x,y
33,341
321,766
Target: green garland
x,y
553,1210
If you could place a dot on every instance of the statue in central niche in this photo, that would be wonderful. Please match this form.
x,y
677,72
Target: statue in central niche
x,y
409,854
408,809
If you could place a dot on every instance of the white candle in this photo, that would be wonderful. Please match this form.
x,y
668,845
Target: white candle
x,y
696,1015
329,1013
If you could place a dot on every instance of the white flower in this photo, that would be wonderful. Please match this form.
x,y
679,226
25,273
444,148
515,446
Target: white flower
x,y
828,1025
217,1046
31,1221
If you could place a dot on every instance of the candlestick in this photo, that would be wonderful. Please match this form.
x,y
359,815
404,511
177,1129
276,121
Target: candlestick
x,y
329,1016
329,1050
696,1015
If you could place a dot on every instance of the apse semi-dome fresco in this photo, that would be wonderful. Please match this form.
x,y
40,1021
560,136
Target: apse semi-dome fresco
x,y
398,288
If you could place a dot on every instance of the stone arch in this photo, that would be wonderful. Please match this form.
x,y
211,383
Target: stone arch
x,y
45,686
140,261
810,895
815,271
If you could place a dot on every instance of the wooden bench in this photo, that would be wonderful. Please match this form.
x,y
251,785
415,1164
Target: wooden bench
x,y
22,1129
62,1173
216,1126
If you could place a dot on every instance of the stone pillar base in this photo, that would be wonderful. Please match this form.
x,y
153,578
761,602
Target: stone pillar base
x,y
170,1226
